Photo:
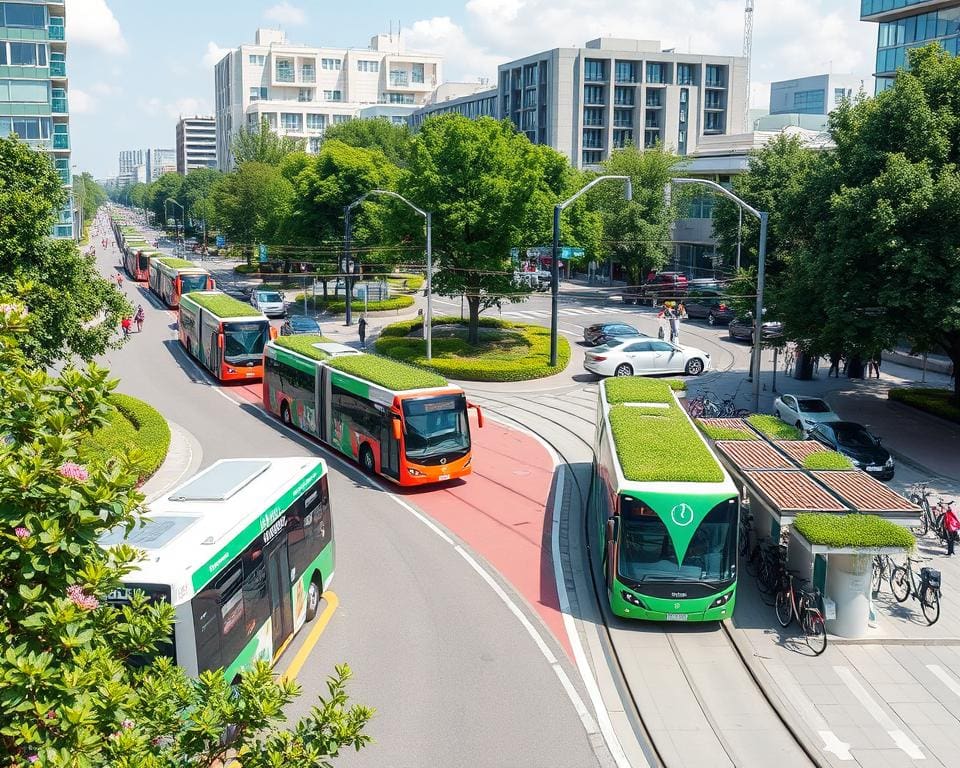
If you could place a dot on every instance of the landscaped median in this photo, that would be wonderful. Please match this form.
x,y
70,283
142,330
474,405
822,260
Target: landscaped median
x,y
506,352
132,425
939,402
337,306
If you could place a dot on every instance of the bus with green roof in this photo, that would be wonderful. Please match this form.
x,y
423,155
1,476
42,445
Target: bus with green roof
x,y
171,278
666,511
244,552
225,335
402,422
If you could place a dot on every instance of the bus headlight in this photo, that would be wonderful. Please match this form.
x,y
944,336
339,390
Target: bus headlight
x,y
415,472
632,599
722,600
231,370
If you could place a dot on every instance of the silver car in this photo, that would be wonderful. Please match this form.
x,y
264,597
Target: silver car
x,y
269,302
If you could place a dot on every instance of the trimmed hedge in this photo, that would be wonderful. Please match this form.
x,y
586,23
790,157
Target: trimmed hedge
x,y
386,372
867,531
635,389
339,306
302,343
246,269
224,306
772,427
939,402
725,433
174,263
133,425
826,460
528,355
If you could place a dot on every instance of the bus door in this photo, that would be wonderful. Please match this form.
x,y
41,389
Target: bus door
x,y
389,446
279,591
323,403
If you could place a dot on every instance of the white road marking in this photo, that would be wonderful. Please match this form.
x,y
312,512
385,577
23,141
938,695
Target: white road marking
x,y
877,713
944,677
801,702
578,311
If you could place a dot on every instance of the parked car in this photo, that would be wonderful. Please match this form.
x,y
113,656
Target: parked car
x,y
856,443
741,328
708,304
645,356
803,412
269,302
601,333
298,324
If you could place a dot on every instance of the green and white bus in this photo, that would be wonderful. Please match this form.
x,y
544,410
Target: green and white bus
x,y
243,551
666,511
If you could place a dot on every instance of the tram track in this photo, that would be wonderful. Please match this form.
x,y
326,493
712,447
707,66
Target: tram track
x,y
516,409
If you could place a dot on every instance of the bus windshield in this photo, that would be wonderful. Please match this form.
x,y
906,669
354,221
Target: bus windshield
x,y
436,426
193,282
244,342
647,552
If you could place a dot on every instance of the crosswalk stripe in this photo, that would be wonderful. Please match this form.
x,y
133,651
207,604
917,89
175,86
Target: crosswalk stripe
x,y
578,311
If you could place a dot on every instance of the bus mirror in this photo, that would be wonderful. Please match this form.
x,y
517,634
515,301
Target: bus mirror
x,y
213,284
273,332
219,341
479,414
397,430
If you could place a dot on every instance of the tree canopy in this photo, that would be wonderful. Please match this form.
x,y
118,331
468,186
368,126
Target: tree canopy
x,y
251,204
263,145
394,141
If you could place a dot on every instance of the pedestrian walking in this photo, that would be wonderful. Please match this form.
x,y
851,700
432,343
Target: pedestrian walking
x,y
362,330
951,526
139,317
119,281
125,325
874,368
834,365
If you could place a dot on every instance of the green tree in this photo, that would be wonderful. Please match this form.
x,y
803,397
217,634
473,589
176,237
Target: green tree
x,y
169,186
251,204
196,194
89,195
488,189
263,145
75,310
394,141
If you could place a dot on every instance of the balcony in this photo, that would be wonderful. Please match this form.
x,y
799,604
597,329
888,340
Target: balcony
x,y
399,79
61,141
58,69
308,76
55,30
64,176
284,77
59,106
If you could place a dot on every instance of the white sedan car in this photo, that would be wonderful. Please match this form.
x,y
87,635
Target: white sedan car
x,y
642,357
803,412
269,302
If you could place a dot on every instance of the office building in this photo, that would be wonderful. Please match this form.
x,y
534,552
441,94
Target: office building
x,y
127,163
471,100
33,88
906,24
159,162
585,102
196,144
813,95
300,90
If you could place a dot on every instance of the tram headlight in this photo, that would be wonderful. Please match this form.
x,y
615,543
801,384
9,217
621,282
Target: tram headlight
x,y
632,599
722,600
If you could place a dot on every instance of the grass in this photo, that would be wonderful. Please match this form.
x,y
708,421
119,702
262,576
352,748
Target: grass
x,y
133,425
222,305
337,306
303,344
407,282
174,263
938,402
772,427
725,433
867,531
636,389
826,460
506,351
387,373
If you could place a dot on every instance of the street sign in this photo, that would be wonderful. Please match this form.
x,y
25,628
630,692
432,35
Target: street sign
x,y
221,241
263,253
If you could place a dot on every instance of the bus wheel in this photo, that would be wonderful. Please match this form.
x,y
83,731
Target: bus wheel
x,y
285,415
313,599
366,459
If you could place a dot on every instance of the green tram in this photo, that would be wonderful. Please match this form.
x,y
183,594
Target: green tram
x,y
666,511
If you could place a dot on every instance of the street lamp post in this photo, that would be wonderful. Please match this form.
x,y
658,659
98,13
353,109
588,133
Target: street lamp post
x,y
763,216
555,265
182,218
428,218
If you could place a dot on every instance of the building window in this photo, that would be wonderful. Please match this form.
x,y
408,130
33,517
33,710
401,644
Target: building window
x,y
592,157
593,94
716,76
23,15
330,64
27,128
314,143
363,65
809,102
623,118
624,96
626,71
399,77
714,100
593,70
332,96
291,122
30,91
400,98
258,94
416,73
253,121
316,122
685,74
622,138
714,122
24,54
593,116
256,59
651,138
652,119
592,138
842,94
656,72
285,70
308,73
306,94
655,97
682,133
338,119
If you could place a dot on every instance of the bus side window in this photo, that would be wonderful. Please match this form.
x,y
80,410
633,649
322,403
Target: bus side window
x,y
256,608
206,623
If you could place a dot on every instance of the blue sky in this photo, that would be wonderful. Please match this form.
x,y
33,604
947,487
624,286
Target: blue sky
x,y
136,65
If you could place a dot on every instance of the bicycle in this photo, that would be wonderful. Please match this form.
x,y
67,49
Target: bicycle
x,y
938,517
804,606
920,495
773,558
903,584
881,572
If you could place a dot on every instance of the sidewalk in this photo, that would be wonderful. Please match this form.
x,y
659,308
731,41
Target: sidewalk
x,y
183,460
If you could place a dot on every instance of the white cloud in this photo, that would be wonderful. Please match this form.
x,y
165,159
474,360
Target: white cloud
x,y
81,102
213,55
284,13
103,89
184,107
464,59
91,22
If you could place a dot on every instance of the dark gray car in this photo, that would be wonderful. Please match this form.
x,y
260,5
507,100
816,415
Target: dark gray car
x,y
601,333
708,304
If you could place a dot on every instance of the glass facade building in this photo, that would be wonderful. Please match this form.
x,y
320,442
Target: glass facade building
x,y
33,86
906,24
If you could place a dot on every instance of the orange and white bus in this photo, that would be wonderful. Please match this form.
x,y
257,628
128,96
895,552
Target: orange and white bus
x,y
402,422
171,278
224,335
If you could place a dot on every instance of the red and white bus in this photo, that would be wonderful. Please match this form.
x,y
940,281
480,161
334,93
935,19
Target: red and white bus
x,y
171,278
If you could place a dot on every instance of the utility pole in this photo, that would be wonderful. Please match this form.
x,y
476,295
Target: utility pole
x,y
748,54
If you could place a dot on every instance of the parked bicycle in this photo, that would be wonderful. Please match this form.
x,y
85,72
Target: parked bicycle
x,y
803,604
709,406
771,562
882,567
920,495
939,514
904,584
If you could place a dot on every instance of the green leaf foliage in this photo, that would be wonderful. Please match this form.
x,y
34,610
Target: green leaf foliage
x,y
725,433
637,389
826,460
251,204
939,402
386,372
772,427
132,426
866,531
302,343
339,306
394,141
263,145
223,305
175,263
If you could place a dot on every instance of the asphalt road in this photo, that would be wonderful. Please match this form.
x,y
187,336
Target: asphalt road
x,y
455,677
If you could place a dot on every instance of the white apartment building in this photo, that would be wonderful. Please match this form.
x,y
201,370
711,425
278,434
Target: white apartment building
x,y
159,162
814,95
196,144
301,90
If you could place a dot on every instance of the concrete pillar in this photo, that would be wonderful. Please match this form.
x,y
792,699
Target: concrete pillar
x,y
848,585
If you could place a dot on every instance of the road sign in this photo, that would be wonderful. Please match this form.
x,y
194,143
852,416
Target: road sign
x,y
221,241
263,253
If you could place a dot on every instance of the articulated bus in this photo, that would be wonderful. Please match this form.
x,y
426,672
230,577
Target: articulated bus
x,y
136,259
402,422
243,551
171,278
224,335
666,511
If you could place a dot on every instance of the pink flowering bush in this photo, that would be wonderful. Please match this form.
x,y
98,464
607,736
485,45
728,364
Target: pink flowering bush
x,y
73,471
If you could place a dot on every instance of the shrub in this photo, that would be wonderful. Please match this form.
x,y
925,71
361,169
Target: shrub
x,y
636,389
337,306
826,460
725,433
246,269
132,425
939,402
772,427
386,372
867,531
222,305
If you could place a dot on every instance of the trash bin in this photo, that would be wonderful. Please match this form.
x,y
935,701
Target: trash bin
x,y
804,366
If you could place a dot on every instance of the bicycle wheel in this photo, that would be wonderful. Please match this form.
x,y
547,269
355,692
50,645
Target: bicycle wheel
x,y
877,580
930,604
900,583
815,631
784,608
711,410
939,529
753,562
924,517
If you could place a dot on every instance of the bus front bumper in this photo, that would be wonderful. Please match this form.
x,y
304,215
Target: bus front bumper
x,y
418,474
628,604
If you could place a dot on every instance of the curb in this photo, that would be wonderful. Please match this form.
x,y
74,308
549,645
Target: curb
x,y
183,458
852,641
